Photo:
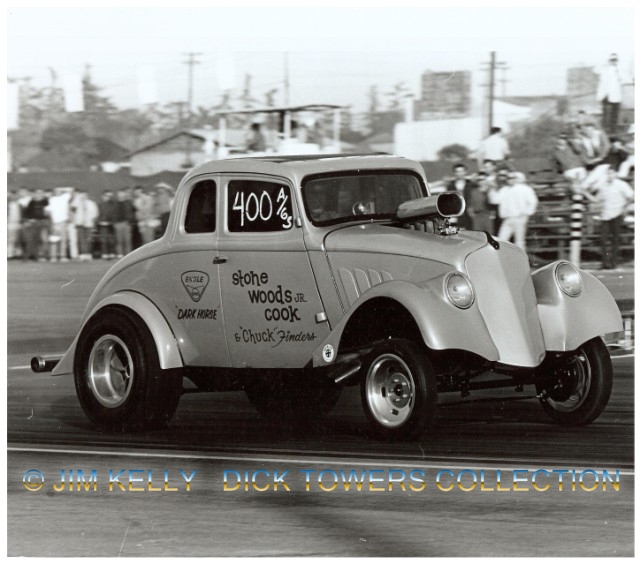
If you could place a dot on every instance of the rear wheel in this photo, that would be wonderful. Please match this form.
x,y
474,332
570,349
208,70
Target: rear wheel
x,y
118,377
398,390
575,388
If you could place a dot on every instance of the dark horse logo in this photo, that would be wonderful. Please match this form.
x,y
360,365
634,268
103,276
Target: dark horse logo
x,y
195,283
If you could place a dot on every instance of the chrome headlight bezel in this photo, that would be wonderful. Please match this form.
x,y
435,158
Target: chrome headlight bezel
x,y
573,288
460,278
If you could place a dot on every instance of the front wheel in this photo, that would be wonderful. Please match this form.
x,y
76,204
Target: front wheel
x,y
117,374
575,388
398,390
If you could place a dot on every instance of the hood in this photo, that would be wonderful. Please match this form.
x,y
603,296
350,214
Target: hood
x,y
386,239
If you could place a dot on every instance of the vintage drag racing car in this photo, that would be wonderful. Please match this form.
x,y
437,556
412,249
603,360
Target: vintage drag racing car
x,y
292,277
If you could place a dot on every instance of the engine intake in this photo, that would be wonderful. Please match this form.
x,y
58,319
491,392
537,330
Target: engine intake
x,y
447,204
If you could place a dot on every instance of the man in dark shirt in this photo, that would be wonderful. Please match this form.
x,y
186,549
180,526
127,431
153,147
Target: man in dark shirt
x,y
463,185
570,162
106,218
124,216
617,154
478,207
35,225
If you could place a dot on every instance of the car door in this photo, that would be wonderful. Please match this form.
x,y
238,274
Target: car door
x,y
189,280
272,309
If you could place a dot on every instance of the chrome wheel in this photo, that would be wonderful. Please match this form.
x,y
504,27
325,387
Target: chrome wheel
x,y
574,387
390,390
110,371
398,390
573,384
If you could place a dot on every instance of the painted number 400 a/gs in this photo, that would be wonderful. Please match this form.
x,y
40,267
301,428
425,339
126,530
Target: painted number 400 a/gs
x,y
253,208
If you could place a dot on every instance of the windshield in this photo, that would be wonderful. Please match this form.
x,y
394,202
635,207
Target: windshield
x,y
337,198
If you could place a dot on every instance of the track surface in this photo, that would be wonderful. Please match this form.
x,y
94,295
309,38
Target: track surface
x,y
214,433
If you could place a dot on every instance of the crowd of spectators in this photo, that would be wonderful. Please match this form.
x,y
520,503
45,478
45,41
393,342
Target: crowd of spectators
x,y
67,224
598,166
594,164
498,200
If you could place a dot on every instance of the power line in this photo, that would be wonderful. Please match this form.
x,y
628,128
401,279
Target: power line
x,y
190,62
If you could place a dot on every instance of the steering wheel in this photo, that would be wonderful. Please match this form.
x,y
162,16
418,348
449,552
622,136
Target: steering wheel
x,y
359,208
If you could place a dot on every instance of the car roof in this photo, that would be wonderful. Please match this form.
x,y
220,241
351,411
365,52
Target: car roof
x,y
298,166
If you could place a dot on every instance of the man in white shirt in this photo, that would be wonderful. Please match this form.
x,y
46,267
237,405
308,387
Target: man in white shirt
x,y
613,195
86,213
59,213
516,203
143,204
495,148
610,94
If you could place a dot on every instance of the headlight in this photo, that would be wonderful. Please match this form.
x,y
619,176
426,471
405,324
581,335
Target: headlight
x,y
459,290
569,279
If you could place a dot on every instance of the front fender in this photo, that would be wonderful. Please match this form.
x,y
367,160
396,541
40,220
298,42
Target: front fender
x,y
441,324
569,322
166,345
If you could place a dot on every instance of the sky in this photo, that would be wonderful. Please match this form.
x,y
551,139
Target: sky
x,y
333,54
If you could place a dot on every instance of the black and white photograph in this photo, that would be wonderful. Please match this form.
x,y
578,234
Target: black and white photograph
x,y
320,280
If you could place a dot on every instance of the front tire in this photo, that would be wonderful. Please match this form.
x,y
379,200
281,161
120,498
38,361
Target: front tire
x,y
118,377
575,389
398,390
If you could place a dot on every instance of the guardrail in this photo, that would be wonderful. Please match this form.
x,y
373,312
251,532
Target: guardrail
x,y
549,229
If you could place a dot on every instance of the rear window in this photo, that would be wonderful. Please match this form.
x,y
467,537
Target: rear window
x,y
201,209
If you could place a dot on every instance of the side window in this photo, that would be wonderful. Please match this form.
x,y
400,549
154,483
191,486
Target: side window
x,y
201,209
256,206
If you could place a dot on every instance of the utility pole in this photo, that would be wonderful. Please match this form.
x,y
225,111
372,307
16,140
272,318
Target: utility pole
x,y
190,62
179,106
492,78
493,66
286,79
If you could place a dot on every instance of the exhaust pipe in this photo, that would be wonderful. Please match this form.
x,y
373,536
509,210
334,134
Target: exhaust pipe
x,y
346,371
45,363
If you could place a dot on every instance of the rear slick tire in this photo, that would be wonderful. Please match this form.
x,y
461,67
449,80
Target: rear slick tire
x,y
117,374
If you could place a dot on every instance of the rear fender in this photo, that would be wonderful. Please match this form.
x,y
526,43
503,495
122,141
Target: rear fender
x,y
442,325
166,344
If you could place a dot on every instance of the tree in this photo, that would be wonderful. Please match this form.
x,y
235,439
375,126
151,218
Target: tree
x,y
93,101
397,96
374,106
454,153
347,133
535,138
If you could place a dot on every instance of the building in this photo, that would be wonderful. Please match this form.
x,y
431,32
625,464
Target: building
x,y
180,151
538,105
582,86
444,93
422,140
99,154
